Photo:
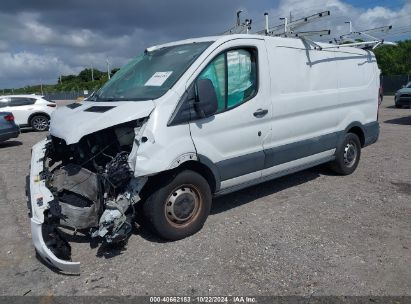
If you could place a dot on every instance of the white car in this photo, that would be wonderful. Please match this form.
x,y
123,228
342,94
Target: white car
x,y
191,120
29,110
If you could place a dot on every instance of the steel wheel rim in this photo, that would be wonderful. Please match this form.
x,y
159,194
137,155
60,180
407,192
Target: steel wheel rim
x,y
350,154
40,123
182,206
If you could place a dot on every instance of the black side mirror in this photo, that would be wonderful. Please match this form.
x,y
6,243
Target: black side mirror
x,y
207,103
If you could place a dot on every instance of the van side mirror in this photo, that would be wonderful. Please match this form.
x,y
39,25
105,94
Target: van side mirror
x,y
207,103
403,86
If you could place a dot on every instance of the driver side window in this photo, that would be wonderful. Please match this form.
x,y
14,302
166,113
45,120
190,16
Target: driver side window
x,y
234,77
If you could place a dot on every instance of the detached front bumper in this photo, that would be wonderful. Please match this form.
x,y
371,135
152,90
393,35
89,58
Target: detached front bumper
x,y
39,197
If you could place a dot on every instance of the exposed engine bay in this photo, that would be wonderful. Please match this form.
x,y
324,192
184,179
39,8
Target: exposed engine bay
x,y
94,187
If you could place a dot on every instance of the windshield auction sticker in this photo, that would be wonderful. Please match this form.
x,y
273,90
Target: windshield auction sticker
x,y
158,79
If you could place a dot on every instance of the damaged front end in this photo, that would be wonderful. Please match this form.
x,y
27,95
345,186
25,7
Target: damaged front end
x,y
88,186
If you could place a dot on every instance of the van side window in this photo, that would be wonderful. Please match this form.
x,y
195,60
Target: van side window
x,y
234,76
216,72
241,77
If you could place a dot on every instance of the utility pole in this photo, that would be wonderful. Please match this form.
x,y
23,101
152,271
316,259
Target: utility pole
x,y
108,68
92,73
41,87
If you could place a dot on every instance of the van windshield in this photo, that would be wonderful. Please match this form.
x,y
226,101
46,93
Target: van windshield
x,y
150,75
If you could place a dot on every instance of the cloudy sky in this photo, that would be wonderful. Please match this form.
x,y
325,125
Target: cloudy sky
x,y
41,39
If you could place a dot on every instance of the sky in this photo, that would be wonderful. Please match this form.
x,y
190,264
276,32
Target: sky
x,y
42,39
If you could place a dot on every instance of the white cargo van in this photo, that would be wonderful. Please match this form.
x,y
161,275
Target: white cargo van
x,y
194,119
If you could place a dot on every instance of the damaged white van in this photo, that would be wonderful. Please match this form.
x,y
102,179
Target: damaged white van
x,y
194,119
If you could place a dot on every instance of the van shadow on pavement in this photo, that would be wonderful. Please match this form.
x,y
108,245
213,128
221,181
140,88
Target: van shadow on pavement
x,y
400,121
10,143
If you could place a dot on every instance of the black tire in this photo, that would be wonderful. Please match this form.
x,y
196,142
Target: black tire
x,y
39,122
398,106
347,155
179,208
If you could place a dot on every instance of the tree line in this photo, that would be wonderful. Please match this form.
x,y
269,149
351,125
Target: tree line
x,y
395,60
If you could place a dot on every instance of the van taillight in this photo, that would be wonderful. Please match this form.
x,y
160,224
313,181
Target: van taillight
x,y
9,117
51,105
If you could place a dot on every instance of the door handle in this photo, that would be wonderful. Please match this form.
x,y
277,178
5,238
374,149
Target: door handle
x,y
260,112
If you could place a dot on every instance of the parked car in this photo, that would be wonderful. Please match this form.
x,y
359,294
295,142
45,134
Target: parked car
x,y
29,110
8,128
191,120
403,96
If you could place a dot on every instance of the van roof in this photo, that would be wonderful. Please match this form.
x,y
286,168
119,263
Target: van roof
x,y
281,41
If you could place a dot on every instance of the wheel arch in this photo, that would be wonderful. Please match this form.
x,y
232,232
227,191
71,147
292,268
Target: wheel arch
x,y
358,129
37,114
205,170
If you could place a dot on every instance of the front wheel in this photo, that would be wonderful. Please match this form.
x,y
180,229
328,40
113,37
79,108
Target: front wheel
x,y
39,123
347,155
179,208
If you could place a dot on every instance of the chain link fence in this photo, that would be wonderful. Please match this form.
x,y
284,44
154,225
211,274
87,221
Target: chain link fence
x,y
67,95
393,83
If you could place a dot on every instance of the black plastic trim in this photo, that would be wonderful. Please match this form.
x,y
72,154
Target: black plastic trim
x,y
209,164
73,105
99,109
241,165
371,133
289,152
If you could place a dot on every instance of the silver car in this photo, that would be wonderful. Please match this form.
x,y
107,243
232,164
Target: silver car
x,y
403,96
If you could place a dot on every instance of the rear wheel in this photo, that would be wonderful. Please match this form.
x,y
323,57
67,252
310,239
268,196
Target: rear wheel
x,y
39,123
398,106
179,208
347,155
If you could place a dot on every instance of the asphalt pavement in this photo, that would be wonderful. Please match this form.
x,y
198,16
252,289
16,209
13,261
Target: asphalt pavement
x,y
311,233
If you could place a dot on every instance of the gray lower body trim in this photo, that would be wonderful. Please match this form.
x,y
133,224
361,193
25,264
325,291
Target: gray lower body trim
x,y
371,133
286,153
291,167
241,165
242,170
253,162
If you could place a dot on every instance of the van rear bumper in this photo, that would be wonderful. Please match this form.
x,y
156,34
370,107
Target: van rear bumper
x,y
39,197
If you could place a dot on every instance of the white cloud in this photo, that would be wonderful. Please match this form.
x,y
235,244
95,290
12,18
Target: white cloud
x,y
340,12
28,68
31,49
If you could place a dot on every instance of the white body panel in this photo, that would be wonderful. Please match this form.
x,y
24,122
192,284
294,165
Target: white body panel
x,y
72,124
236,132
318,92
308,93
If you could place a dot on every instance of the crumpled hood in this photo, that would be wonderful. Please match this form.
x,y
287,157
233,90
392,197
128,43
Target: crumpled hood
x,y
72,123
